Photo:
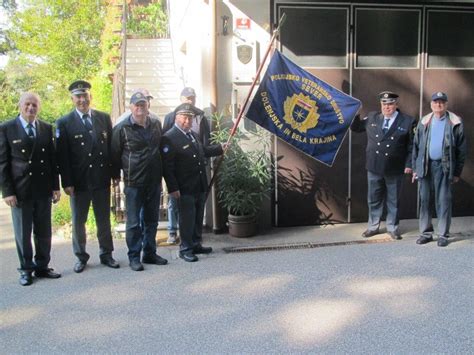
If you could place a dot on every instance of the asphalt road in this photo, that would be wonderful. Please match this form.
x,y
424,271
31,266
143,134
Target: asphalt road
x,y
377,298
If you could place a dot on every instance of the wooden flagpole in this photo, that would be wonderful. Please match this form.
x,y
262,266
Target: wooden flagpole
x,y
244,107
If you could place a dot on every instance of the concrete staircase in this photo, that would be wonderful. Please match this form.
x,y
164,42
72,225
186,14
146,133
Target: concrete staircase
x,y
149,64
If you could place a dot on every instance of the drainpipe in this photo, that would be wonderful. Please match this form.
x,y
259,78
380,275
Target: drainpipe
x,y
216,214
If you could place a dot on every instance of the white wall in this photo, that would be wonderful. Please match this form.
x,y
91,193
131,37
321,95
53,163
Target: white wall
x,y
190,26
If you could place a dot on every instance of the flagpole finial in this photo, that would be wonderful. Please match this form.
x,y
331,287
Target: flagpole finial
x,y
281,21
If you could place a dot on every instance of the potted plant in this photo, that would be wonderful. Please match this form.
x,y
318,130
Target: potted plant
x,y
244,176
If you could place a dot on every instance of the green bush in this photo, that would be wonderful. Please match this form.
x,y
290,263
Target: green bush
x,y
61,214
244,178
62,218
147,21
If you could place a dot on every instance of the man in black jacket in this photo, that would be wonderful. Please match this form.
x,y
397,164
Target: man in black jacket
x,y
388,157
84,138
136,150
200,126
185,174
30,180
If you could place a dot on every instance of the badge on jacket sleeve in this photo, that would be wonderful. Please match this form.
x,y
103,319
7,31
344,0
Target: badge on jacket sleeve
x,y
166,149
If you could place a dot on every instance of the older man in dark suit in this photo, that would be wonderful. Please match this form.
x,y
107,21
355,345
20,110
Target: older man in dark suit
x,y
200,126
388,157
30,181
84,137
185,175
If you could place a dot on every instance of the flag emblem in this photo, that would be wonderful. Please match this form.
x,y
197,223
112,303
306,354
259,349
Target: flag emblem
x,y
301,112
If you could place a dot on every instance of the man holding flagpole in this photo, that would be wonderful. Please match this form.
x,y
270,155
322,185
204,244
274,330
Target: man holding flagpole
x,y
388,157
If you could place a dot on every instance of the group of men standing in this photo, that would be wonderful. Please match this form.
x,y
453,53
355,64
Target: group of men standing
x,y
433,152
87,153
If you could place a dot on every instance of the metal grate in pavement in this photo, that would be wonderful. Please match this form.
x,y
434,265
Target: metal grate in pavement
x,y
247,249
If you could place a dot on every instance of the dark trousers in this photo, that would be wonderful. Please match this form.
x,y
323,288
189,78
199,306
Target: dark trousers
x,y
191,214
80,203
435,184
384,189
33,216
142,205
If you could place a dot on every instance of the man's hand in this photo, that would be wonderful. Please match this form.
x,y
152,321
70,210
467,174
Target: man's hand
x,y
414,177
116,182
408,171
175,194
456,179
225,145
69,190
56,196
11,201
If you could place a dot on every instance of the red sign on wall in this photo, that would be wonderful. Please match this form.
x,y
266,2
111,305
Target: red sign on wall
x,y
242,23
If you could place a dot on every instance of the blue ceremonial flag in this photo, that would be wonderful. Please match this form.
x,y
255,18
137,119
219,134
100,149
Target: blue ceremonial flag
x,y
302,110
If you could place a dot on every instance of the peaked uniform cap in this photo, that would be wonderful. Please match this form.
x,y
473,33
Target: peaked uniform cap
x,y
388,97
187,109
79,87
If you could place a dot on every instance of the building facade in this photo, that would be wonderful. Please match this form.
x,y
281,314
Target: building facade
x,y
362,48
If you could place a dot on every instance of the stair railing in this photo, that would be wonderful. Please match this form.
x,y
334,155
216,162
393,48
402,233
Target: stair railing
x,y
118,108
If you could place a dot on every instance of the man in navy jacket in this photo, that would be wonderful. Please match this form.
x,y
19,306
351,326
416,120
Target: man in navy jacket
x,y
185,175
388,157
30,181
84,137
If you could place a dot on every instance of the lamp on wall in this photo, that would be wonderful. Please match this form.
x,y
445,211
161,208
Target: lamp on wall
x,y
225,24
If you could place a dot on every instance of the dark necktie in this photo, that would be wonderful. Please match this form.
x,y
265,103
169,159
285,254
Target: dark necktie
x,y
191,138
385,125
31,133
88,125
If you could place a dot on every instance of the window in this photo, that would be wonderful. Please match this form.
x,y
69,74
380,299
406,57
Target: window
x,y
315,37
450,42
387,38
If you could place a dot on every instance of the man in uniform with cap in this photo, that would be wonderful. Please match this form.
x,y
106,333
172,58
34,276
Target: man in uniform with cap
x,y
388,157
136,150
30,181
439,151
185,175
200,126
83,146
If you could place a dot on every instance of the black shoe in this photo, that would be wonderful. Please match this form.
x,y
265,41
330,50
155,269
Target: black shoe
x,y
202,250
136,265
154,259
79,266
443,241
370,233
188,256
25,278
395,235
423,240
110,262
47,274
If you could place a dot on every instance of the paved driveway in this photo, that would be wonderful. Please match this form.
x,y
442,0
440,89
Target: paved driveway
x,y
393,297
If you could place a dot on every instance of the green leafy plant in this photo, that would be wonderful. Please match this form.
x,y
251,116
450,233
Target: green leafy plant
x,y
61,213
244,177
147,21
62,218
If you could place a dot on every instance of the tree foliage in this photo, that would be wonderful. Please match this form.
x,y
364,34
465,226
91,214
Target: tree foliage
x,y
56,42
